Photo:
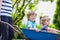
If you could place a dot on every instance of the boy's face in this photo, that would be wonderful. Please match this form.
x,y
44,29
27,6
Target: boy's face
x,y
32,17
46,22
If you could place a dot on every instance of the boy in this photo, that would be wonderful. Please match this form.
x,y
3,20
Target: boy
x,y
5,15
45,25
31,21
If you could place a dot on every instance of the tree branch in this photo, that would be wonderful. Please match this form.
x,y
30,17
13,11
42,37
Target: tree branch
x,y
22,12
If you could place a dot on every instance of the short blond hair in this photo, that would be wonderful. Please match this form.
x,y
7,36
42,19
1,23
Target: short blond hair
x,y
45,18
31,13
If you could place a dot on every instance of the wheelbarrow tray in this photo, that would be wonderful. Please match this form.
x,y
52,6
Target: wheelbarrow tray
x,y
33,35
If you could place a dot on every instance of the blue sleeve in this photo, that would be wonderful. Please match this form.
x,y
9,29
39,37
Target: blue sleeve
x,y
29,24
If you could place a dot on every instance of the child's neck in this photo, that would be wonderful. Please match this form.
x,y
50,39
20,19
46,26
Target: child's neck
x,y
31,20
45,25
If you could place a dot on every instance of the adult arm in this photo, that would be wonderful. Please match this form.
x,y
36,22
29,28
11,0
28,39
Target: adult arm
x,y
0,4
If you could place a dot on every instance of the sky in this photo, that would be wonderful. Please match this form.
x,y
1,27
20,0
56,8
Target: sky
x,y
46,8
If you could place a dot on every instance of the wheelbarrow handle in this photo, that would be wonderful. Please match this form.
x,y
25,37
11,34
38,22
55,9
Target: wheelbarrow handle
x,y
12,28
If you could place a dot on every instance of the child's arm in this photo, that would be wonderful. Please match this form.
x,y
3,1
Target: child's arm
x,y
52,30
33,29
0,4
29,26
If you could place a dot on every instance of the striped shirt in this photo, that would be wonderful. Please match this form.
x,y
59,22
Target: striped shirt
x,y
6,8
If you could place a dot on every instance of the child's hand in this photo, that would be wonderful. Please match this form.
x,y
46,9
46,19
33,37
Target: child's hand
x,y
37,30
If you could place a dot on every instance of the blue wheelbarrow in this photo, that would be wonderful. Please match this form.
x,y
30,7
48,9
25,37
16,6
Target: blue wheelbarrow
x,y
33,35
